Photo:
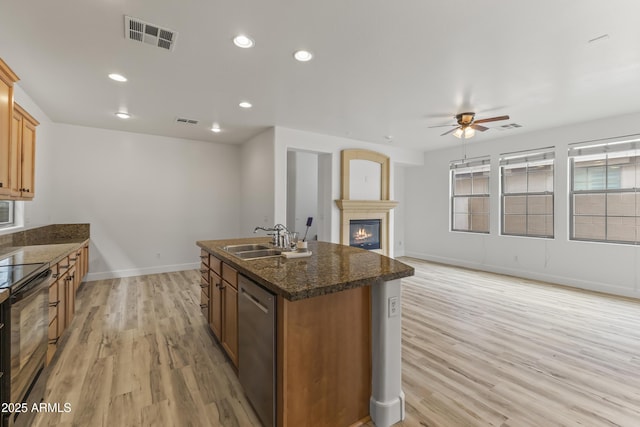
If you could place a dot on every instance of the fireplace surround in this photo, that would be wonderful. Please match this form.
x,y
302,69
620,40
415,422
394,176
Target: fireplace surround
x,y
379,210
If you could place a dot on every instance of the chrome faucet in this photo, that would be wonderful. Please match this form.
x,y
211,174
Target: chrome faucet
x,y
280,235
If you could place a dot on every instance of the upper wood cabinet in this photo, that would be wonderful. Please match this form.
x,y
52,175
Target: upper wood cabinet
x,y
7,79
23,137
17,142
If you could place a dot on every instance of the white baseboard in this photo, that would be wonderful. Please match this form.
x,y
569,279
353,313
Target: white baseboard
x,y
533,275
116,274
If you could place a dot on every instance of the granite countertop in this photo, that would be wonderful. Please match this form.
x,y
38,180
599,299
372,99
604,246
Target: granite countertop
x,y
331,268
51,253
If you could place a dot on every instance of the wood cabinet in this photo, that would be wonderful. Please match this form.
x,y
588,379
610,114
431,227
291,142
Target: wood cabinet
x,y
23,149
7,156
67,275
215,302
17,142
229,302
221,306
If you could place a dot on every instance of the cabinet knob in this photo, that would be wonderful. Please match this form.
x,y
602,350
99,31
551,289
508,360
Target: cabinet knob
x,y
0,185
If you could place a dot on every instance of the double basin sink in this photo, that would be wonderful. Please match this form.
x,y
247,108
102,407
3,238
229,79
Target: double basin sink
x,y
252,251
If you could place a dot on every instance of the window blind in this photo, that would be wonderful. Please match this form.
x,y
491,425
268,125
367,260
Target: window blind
x,y
540,155
603,146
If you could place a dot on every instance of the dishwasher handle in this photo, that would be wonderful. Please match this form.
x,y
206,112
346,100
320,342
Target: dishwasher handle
x,y
254,300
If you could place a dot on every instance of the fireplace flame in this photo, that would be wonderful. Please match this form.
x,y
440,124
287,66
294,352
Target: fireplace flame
x,y
362,234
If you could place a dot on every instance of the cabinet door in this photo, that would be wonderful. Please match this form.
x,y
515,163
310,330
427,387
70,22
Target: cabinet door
x,y
28,152
71,295
85,260
74,260
215,305
6,111
62,305
230,321
54,302
15,154
204,298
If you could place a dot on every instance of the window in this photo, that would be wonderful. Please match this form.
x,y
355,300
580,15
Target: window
x,y
470,195
6,213
605,196
527,193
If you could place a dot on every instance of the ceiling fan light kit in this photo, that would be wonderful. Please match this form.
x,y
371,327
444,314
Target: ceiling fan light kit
x,y
467,125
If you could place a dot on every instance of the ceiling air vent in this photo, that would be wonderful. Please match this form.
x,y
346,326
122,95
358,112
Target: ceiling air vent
x,y
510,126
184,121
144,32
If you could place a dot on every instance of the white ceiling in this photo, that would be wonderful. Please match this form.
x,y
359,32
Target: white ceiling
x,y
381,67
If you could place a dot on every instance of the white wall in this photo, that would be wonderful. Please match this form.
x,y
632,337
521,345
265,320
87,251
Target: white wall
x,y
36,211
147,198
287,139
598,266
302,192
257,183
399,211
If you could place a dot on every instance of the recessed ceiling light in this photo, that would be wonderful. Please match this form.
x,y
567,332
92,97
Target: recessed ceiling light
x,y
243,41
388,137
123,115
302,55
117,77
245,104
216,128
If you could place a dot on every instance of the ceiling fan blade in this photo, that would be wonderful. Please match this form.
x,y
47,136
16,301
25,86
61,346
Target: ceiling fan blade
x,y
479,127
449,131
441,126
491,119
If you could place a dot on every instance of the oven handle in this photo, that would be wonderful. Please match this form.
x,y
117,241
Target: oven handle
x,y
31,287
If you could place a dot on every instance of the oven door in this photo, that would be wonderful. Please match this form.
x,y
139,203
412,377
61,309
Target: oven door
x,y
29,322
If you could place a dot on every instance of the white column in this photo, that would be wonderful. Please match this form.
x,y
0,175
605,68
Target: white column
x,y
386,405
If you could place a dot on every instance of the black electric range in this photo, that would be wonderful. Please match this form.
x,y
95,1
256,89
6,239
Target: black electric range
x,y
14,276
24,320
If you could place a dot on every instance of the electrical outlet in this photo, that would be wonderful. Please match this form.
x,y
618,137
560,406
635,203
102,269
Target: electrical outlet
x,y
393,306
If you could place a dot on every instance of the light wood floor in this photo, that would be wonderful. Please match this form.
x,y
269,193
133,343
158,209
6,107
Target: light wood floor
x,y
479,349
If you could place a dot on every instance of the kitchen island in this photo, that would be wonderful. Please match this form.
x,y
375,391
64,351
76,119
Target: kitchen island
x,y
338,335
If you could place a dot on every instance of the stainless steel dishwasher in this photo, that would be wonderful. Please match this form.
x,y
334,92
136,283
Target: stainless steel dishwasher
x,y
257,348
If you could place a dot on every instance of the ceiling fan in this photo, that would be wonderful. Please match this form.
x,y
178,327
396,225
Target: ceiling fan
x,y
467,125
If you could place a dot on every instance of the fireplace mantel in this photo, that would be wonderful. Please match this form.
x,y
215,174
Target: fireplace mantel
x,y
366,205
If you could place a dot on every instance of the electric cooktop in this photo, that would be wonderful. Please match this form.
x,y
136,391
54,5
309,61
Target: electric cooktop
x,y
13,274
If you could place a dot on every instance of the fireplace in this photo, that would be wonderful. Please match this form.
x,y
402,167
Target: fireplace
x,y
364,233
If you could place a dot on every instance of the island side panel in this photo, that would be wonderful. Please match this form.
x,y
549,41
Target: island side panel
x,y
324,359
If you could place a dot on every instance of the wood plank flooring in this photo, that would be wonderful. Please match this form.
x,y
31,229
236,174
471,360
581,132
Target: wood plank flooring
x,y
479,349
138,353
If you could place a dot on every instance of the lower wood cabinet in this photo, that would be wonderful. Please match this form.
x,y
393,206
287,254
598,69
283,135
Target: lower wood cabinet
x,y
67,275
230,321
222,304
215,303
